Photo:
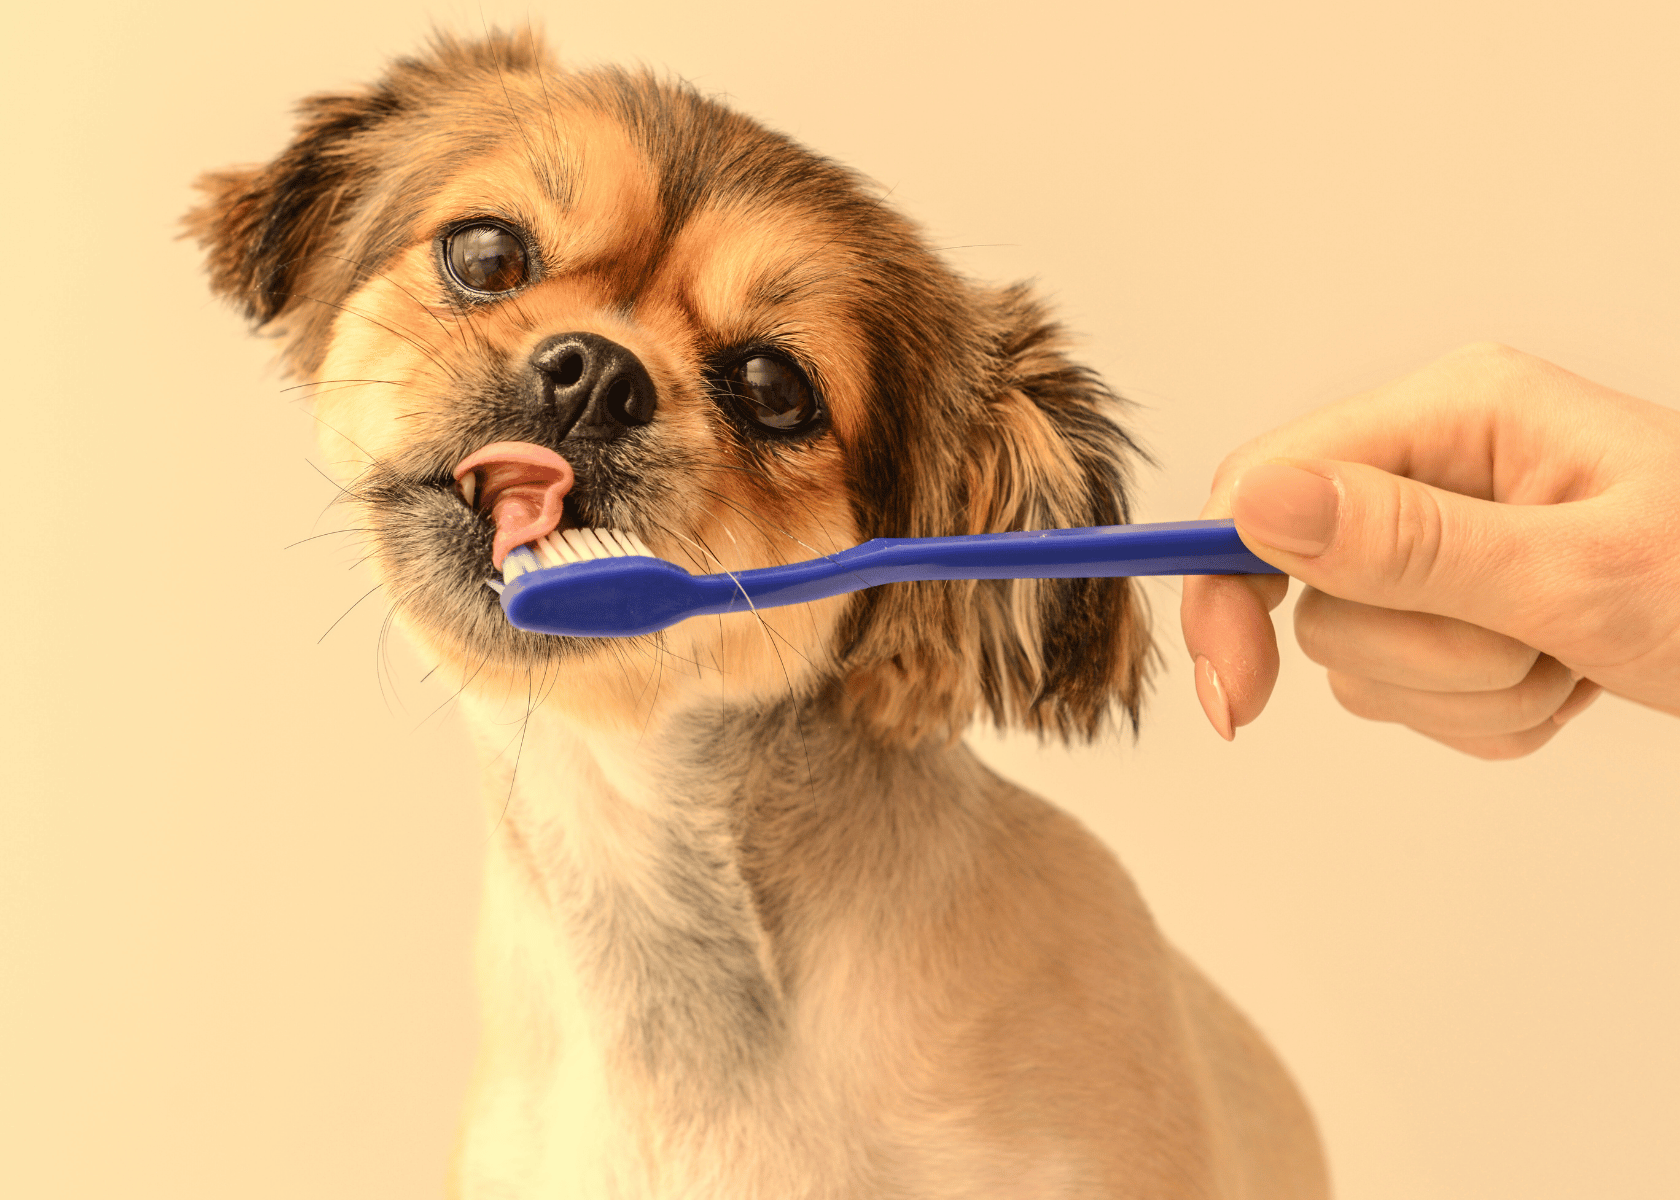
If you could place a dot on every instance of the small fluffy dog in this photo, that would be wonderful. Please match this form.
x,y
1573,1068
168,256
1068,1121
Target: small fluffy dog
x,y
757,925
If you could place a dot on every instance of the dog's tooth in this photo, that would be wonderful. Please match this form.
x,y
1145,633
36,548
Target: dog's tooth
x,y
469,487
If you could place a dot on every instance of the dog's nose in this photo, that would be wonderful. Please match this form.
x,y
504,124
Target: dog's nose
x,y
595,387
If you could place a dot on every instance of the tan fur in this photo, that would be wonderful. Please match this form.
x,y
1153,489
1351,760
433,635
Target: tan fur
x,y
756,923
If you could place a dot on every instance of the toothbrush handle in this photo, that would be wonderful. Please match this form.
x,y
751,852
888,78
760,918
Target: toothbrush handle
x,y
623,597
1171,548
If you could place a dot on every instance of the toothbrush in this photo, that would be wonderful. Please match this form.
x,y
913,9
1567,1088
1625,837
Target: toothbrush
x,y
604,583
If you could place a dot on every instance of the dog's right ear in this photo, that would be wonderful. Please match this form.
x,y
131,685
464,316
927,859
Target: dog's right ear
x,y
264,228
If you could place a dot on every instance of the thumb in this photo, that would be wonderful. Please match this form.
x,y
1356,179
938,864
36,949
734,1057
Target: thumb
x,y
1364,535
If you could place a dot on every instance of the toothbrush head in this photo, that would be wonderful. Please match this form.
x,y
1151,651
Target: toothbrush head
x,y
602,597
613,585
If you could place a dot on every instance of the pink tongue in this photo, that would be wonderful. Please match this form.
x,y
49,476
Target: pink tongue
x,y
524,486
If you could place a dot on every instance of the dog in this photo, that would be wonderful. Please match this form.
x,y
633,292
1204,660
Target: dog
x,y
756,923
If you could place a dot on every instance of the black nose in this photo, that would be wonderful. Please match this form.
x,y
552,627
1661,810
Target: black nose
x,y
596,388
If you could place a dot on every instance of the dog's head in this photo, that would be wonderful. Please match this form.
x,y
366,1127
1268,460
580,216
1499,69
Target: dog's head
x,y
739,353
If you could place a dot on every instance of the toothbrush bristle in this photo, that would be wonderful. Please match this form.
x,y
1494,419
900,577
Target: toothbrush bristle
x,y
563,547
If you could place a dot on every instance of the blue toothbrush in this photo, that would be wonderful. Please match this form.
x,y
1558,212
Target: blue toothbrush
x,y
601,583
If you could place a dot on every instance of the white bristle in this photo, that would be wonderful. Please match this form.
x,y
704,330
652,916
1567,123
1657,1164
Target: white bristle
x,y
574,539
576,545
563,547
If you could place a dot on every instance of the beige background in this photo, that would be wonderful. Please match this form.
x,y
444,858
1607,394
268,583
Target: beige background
x,y
238,861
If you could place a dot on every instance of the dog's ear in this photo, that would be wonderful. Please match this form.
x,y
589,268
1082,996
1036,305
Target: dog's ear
x,y
263,228
293,238
1060,657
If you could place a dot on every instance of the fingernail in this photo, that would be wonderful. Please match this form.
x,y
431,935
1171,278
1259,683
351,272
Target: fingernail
x,y
1212,696
1286,507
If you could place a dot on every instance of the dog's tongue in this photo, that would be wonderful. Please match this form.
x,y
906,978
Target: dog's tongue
x,y
522,486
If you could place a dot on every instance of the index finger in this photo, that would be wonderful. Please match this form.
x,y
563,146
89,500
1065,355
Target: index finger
x,y
1484,421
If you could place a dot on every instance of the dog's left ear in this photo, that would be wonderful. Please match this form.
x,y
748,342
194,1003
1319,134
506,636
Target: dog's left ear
x,y
1041,449
1057,656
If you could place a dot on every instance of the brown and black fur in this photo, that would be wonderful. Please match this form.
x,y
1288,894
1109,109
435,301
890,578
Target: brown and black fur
x,y
750,899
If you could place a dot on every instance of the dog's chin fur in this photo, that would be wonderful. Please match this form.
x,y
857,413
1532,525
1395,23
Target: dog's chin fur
x,y
756,923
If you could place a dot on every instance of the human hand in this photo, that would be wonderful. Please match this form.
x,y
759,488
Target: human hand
x,y
1487,544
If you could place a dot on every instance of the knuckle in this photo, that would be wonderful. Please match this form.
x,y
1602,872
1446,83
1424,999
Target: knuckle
x,y
1504,371
1494,356
1416,536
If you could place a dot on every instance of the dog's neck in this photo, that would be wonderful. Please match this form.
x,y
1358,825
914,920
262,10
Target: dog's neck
x,y
629,844
683,918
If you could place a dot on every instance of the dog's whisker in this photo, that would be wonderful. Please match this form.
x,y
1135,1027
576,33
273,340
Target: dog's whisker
x,y
348,440
368,273
763,526
343,494
555,141
689,543
381,655
347,612
771,635
319,383
519,754
329,533
539,166
425,351
518,757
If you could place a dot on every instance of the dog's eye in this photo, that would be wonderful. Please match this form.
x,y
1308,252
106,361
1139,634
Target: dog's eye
x,y
485,258
772,392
